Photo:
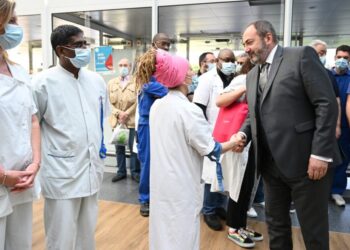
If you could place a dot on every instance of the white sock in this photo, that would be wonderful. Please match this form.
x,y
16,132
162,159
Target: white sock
x,y
231,230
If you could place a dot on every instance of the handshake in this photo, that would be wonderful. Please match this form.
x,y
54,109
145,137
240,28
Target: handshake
x,y
239,142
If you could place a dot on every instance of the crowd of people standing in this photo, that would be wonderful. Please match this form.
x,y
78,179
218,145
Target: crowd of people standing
x,y
293,134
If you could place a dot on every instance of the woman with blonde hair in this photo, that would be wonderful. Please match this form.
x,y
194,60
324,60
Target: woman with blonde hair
x,y
20,140
149,89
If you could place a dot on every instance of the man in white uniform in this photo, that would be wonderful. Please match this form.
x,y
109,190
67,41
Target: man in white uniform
x,y
72,102
210,85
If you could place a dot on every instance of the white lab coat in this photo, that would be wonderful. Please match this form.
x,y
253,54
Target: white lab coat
x,y
16,110
69,111
180,137
209,87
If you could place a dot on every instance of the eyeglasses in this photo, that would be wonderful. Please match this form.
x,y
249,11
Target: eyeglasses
x,y
79,44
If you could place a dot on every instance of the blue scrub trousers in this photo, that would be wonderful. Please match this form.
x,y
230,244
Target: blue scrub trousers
x,y
339,178
143,148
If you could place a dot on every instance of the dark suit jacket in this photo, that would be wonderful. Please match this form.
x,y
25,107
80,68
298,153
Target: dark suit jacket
x,y
298,111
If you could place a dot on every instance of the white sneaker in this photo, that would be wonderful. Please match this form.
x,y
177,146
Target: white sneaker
x,y
339,200
260,204
252,213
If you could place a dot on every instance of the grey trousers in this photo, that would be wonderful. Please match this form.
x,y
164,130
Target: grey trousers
x,y
70,224
16,228
311,204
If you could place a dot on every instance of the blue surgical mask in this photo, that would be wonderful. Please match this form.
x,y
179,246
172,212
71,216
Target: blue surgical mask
x,y
192,87
238,68
341,64
12,37
228,68
123,71
323,60
211,66
82,57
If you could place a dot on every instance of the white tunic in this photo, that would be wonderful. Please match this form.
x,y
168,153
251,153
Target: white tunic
x,y
69,111
180,137
16,110
209,87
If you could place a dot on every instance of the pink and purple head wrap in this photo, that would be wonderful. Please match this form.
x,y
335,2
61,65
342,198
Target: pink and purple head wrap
x,y
170,70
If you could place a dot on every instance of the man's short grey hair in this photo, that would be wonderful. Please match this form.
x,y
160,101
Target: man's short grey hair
x,y
242,55
316,42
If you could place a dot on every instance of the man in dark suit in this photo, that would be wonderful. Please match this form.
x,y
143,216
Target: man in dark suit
x,y
291,122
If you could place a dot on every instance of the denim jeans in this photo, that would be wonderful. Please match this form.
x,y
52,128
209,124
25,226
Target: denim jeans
x,y
121,157
212,200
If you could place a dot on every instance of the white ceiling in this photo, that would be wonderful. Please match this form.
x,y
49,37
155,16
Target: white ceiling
x,y
325,19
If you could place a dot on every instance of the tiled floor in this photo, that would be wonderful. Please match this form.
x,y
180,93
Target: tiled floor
x,y
127,191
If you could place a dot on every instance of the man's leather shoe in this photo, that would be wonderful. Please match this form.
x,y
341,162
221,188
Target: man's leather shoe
x,y
118,177
144,209
221,212
136,178
213,221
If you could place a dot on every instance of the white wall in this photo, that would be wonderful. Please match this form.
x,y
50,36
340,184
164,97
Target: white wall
x,y
26,7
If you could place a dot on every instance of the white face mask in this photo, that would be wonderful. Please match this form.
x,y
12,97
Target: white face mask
x,y
323,60
228,68
238,68
123,71
211,66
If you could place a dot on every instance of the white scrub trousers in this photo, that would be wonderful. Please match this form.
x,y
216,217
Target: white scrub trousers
x,y
70,223
16,228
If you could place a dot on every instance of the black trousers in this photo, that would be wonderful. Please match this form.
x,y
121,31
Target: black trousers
x,y
237,211
311,202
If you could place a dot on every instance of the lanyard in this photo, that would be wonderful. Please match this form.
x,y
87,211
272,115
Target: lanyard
x,y
215,156
103,150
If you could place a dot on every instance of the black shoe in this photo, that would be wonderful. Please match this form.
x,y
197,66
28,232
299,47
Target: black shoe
x,y
118,177
213,221
136,178
144,209
221,212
